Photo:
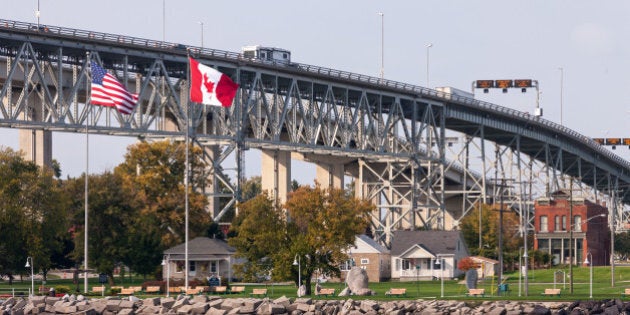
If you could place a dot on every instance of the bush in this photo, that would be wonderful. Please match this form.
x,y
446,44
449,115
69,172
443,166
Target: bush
x,y
114,291
466,264
62,289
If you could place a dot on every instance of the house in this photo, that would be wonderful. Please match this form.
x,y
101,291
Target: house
x,y
487,267
587,230
206,257
426,254
369,255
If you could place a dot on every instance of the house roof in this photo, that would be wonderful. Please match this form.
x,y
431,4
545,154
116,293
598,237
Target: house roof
x,y
202,246
437,242
371,243
485,259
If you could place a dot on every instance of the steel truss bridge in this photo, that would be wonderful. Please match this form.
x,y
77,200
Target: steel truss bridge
x,y
424,157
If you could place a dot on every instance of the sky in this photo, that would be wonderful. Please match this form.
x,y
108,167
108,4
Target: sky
x,y
576,47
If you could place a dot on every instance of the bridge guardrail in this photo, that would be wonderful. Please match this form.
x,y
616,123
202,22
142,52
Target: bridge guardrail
x,y
122,39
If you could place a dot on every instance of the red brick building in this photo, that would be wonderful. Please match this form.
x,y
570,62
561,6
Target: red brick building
x,y
589,225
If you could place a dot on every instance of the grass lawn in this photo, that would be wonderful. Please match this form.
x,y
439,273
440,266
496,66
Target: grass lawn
x,y
539,280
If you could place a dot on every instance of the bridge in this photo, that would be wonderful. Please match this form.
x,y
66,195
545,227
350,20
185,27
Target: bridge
x,y
424,157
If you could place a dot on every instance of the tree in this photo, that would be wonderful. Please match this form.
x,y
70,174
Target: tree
x,y
109,218
153,175
319,225
490,231
260,229
251,188
32,214
622,244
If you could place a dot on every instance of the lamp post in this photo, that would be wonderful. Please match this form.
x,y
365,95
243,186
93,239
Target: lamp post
x,y
201,23
37,14
382,45
587,262
167,263
561,88
428,46
297,262
29,263
520,267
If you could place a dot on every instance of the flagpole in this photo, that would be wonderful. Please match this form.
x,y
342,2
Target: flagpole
x,y
187,167
87,169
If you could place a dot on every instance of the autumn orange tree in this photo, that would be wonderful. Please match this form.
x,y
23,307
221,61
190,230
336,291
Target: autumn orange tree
x,y
316,228
152,176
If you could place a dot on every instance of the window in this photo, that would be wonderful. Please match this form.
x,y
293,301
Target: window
x,y
347,265
544,225
564,222
577,223
406,265
213,266
192,267
365,261
179,266
556,223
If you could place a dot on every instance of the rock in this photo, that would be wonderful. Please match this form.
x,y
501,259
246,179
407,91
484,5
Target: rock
x,y
357,279
216,311
540,310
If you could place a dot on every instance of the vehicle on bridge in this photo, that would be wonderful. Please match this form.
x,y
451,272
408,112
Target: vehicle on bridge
x,y
268,54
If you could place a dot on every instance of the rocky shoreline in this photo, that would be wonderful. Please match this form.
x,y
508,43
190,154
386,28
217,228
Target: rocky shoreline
x,y
217,305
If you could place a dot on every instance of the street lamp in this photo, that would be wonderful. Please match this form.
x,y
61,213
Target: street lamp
x,y
382,45
37,14
201,23
29,263
587,262
561,92
166,262
297,262
428,46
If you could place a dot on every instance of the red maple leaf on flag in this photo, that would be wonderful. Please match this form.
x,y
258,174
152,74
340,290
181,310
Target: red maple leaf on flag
x,y
208,84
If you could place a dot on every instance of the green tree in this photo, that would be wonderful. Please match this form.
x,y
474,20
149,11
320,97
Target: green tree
x,y
622,244
318,227
251,188
260,230
490,231
322,226
109,217
32,216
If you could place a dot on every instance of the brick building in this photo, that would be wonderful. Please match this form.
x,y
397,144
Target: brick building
x,y
589,224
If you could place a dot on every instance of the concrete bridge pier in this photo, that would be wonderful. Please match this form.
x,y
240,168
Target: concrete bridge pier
x,y
330,175
276,174
36,145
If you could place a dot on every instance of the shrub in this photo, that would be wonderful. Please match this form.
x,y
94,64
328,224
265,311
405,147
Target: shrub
x,y
466,264
62,289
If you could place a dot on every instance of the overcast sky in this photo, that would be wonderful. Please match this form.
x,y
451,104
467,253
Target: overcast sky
x,y
471,40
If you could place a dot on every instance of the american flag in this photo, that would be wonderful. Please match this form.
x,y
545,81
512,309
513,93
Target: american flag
x,y
107,91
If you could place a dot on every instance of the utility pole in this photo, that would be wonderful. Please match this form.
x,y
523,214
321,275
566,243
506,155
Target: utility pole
x,y
571,235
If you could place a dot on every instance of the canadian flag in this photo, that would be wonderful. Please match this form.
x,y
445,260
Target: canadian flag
x,y
209,86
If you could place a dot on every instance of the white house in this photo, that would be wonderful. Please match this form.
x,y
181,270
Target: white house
x,y
487,267
426,254
206,257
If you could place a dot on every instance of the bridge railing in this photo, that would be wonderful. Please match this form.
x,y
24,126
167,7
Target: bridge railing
x,y
333,73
